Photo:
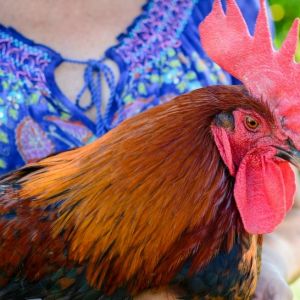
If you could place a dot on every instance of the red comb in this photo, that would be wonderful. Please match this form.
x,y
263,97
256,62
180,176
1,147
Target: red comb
x,y
267,73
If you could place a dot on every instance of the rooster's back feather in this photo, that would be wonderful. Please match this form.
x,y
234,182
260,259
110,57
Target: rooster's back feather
x,y
149,200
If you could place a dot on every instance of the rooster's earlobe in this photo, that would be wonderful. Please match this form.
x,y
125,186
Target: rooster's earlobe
x,y
224,147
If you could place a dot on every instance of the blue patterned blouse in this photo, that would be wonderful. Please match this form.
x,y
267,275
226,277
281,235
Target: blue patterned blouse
x,y
159,57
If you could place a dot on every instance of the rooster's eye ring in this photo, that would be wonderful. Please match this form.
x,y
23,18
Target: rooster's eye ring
x,y
251,123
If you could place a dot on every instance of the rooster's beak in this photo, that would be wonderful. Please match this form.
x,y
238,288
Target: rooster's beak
x,y
292,155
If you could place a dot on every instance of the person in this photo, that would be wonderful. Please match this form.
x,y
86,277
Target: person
x,y
66,80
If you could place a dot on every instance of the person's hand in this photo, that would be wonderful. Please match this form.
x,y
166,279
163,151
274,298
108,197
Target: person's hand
x,y
272,285
157,295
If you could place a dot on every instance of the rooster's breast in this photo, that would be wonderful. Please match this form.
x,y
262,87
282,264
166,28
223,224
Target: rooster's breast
x,y
230,275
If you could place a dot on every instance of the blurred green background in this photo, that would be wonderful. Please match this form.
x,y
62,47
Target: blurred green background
x,y
283,13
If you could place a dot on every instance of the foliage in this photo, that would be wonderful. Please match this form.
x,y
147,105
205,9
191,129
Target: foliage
x,y
296,290
284,12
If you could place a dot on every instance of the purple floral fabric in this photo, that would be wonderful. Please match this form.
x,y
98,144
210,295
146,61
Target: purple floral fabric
x,y
159,57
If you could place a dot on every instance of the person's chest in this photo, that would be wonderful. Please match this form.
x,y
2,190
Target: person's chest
x,y
79,30
51,102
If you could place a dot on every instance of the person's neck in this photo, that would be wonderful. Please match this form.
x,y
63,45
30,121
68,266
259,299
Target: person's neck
x,y
78,29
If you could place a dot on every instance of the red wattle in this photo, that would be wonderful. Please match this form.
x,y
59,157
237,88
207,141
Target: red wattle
x,y
264,190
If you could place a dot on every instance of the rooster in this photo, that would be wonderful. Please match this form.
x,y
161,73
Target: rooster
x,y
176,198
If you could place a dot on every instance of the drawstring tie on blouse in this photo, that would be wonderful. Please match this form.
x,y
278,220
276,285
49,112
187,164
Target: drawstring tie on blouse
x,y
96,70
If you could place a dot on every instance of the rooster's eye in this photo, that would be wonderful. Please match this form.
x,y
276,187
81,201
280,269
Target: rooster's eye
x,y
251,123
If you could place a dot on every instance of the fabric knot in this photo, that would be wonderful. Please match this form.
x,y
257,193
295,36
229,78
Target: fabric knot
x,y
95,65
95,73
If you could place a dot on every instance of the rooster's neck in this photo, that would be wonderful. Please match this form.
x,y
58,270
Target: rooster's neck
x,y
140,201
